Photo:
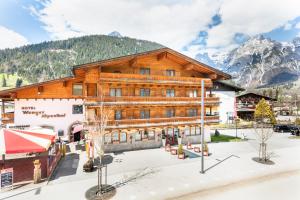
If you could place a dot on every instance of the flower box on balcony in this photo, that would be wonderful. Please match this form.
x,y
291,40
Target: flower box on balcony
x,y
116,142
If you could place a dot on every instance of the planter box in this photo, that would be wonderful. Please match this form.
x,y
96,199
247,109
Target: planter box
x,y
168,148
205,153
145,139
197,149
174,151
181,156
189,146
116,142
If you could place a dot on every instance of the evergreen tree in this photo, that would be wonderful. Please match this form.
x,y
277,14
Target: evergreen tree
x,y
4,84
19,82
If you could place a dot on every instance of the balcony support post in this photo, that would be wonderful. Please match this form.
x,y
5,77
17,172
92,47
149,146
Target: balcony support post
x,y
202,126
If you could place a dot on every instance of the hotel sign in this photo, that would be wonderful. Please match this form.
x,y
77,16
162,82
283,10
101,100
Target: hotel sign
x,y
31,110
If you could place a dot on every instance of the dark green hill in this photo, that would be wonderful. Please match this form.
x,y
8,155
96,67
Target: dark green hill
x,y
49,60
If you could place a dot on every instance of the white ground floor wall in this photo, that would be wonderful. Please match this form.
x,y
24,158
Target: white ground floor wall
x,y
57,113
226,107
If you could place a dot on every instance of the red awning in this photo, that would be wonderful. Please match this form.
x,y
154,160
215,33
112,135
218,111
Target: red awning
x,y
19,141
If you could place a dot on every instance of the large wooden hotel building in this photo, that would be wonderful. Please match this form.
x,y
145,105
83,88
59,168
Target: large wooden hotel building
x,y
150,93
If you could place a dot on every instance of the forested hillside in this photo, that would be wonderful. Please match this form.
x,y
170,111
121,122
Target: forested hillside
x,y
49,60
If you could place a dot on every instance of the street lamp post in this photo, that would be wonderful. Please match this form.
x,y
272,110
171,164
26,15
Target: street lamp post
x,y
202,126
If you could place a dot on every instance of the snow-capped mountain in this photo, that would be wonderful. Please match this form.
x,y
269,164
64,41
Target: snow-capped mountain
x,y
260,62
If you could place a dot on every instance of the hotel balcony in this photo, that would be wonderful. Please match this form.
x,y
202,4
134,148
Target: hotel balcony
x,y
148,100
156,79
153,122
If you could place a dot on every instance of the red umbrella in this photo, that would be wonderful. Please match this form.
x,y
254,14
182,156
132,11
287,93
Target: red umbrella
x,y
20,141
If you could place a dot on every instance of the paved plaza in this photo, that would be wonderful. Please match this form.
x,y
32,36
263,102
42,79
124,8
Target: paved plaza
x,y
155,174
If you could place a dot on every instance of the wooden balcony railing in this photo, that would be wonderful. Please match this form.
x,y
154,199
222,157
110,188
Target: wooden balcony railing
x,y
7,118
139,78
132,99
161,120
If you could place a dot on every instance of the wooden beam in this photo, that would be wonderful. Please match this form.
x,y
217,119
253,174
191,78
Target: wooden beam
x,y
133,62
162,56
189,66
40,89
64,83
212,76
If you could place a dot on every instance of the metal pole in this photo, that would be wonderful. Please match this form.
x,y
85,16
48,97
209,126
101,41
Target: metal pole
x,y
202,126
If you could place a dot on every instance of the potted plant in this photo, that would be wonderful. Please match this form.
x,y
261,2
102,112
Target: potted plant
x,y
163,138
145,135
180,152
205,149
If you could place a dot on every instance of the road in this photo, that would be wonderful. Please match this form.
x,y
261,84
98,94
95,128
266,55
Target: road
x,y
276,187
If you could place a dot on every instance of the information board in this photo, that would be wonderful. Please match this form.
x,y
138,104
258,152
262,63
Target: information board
x,y
6,177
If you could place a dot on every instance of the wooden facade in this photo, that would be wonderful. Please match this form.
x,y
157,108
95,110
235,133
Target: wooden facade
x,y
149,91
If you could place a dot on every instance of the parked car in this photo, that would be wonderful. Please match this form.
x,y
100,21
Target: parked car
x,y
295,130
282,128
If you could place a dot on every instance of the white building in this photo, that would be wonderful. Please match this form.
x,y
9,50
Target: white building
x,y
227,94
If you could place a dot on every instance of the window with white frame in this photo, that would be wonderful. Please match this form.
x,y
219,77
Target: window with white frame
x,y
193,93
115,136
145,114
187,131
115,92
145,71
170,93
107,138
118,115
192,112
123,137
144,92
170,72
170,112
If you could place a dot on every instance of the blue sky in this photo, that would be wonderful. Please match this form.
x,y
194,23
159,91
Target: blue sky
x,y
190,26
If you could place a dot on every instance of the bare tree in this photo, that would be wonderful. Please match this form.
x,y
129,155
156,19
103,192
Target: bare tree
x,y
97,127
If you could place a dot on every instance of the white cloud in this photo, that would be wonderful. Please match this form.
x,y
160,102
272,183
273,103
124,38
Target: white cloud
x,y
297,25
288,26
11,39
171,23
250,18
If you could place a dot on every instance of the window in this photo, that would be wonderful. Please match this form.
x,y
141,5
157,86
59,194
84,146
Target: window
x,y
151,135
77,109
145,114
115,92
118,115
144,92
170,72
198,130
107,138
123,137
77,89
115,136
193,93
145,71
170,112
187,131
138,135
170,93
193,130
192,112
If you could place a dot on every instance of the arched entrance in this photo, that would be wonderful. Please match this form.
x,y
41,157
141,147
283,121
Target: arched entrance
x,y
76,131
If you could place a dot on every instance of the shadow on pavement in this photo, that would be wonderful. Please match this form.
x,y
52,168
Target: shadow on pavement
x,y
67,166
107,159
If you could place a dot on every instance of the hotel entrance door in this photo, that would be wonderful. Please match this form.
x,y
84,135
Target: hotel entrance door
x,y
172,136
